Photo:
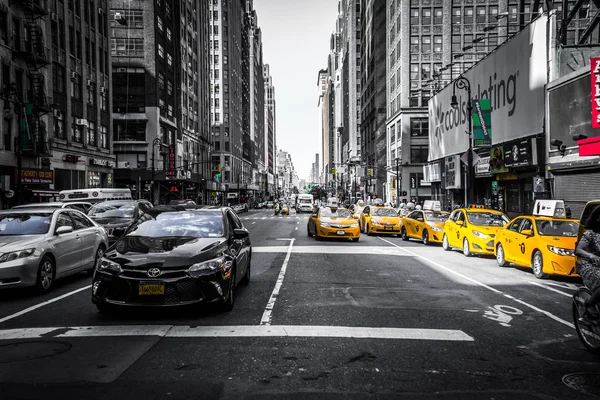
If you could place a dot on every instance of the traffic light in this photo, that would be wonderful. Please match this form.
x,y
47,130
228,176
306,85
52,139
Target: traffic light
x,y
370,171
219,168
333,170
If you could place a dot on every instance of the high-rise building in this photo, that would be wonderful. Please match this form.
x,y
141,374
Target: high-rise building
x,y
270,131
160,106
373,94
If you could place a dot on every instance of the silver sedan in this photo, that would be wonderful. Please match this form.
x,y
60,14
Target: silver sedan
x,y
38,246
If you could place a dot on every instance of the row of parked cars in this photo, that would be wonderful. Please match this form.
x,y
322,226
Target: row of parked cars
x,y
544,241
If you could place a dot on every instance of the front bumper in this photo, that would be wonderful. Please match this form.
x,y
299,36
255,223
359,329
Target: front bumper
x,y
436,236
483,246
559,265
19,273
351,233
385,229
184,290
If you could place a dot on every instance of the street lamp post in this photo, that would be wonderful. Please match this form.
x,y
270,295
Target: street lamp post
x,y
155,142
463,83
398,181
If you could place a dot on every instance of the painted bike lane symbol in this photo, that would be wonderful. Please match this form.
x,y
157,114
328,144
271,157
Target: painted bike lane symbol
x,y
502,314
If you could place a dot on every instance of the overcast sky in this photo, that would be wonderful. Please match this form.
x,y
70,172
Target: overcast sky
x,y
295,45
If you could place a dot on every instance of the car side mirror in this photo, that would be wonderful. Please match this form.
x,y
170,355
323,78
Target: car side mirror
x,y
239,233
61,230
118,232
527,232
460,223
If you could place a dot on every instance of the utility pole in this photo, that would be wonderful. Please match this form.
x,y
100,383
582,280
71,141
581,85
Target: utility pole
x,y
397,182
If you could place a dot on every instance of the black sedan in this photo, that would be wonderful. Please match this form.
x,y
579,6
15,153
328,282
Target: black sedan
x,y
174,256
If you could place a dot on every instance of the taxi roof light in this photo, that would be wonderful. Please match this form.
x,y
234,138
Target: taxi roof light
x,y
432,205
550,208
480,206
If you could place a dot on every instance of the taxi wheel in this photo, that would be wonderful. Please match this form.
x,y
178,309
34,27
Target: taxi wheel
x,y
426,238
466,248
445,244
537,264
317,237
308,232
355,239
500,256
404,235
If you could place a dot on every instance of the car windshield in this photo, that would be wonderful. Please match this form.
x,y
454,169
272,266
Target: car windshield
x,y
109,209
436,217
557,228
328,212
304,201
384,212
195,224
25,223
487,218
358,210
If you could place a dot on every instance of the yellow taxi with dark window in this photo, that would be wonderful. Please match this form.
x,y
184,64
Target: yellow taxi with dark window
x,y
379,219
332,222
473,230
425,225
545,241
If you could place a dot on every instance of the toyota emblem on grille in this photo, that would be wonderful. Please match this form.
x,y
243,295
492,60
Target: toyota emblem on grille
x,y
153,272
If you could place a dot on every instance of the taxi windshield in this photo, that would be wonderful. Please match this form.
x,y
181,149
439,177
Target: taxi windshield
x,y
384,212
328,212
436,217
358,210
487,218
557,228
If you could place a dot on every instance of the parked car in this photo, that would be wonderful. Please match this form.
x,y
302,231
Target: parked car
x,y
182,203
116,215
82,206
172,256
240,208
41,245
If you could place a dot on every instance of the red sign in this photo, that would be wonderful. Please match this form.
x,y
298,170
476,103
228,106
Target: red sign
x,y
171,161
595,78
589,146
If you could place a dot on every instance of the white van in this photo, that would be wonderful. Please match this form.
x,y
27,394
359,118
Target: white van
x,y
306,203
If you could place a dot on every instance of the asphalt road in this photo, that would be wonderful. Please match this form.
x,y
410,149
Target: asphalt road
x,y
380,318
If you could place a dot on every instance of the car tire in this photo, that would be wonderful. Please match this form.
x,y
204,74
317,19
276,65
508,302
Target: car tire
x,y
45,275
308,232
466,248
404,234
500,257
229,301
246,279
445,243
104,308
99,255
355,239
426,241
537,265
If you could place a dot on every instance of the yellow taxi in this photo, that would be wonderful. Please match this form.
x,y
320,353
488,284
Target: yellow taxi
x,y
544,241
357,211
473,230
425,225
332,222
379,219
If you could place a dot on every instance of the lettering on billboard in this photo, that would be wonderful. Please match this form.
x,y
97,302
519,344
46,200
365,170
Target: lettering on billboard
x,y
171,162
512,79
37,176
595,77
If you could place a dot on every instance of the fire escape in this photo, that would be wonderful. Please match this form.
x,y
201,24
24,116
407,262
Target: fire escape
x,y
33,133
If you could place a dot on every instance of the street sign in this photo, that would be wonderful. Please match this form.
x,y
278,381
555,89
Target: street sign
x,y
482,122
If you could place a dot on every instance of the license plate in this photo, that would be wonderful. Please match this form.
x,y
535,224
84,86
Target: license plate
x,y
152,289
388,228
341,232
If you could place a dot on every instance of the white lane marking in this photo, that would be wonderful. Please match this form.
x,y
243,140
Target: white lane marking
x,y
297,223
551,289
171,331
264,218
267,315
296,228
45,303
508,296
371,250
253,222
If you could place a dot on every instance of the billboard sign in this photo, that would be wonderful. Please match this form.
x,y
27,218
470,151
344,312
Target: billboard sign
x,y
482,123
171,167
513,78
595,78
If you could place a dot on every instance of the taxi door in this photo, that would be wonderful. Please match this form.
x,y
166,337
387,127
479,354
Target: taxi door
x,y
312,221
509,239
525,243
455,236
450,227
364,218
415,230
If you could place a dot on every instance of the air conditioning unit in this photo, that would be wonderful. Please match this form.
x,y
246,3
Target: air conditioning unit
x,y
81,122
103,89
89,82
123,164
73,75
119,17
55,17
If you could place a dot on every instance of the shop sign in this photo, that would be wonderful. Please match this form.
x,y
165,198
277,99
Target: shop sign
x,y
483,166
42,176
432,172
452,168
513,78
171,162
102,162
595,77
497,164
517,154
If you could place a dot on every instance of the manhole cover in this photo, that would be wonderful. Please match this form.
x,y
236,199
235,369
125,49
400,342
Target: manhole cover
x,y
26,351
587,383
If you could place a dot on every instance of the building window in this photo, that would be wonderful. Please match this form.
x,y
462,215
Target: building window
x,y
414,72
91,94
468,15
133,47
437,44
456,15
161,51
426,44
104,136
133,18
419,127
159,23
437,16
91,134
414,16
161,81
141,160
169,35
456,44
59,126
414,44
169,88
418,154
392,133
169,61
481,14
426,16
76,135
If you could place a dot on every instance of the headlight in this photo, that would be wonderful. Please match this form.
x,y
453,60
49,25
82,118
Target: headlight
x,y
353,225
13,255
438,229
480,235
561,252
109,266
324,225
210,265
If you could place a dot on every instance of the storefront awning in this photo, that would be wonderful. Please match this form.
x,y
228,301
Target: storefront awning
x,y
45,193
